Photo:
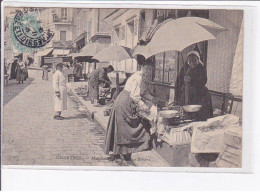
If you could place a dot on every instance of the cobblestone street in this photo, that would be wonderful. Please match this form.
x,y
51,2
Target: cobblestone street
x,y
32,137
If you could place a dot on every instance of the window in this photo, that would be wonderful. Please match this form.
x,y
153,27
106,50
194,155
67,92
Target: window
x,y
122,33
64,13
117,31
78,26
63,35
84,22
166,67
89,28
135,26
142,23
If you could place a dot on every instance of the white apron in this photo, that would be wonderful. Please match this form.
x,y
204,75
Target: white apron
x,y
59,84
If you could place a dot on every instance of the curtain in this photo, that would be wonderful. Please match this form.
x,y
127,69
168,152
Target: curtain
x,y
236,82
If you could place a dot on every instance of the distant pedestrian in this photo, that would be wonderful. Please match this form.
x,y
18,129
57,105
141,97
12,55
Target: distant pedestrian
x,y
20,71
60,92
77,71
45,72
14,65
25,70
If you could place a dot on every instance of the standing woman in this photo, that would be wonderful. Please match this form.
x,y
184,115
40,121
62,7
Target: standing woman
x,y
25,70
60,92
20,71
14,65
194,89
126,133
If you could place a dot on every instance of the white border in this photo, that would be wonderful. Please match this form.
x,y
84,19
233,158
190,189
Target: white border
x,y
249,53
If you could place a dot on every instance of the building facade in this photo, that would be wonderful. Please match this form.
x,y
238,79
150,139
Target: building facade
x,y
98,31
8,51
81,28
62,22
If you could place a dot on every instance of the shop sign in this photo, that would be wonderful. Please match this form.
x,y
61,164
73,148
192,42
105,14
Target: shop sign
x,y
52,60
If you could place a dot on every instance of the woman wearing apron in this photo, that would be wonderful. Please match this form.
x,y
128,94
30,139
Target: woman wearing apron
x,y
126,131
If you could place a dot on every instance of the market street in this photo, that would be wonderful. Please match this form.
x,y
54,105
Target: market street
x,y
32,137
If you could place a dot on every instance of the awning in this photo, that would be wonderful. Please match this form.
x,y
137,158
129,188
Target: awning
x,y
114,14
59,52
82,35
44,52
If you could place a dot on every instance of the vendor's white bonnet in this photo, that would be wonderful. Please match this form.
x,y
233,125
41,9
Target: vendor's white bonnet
x,y
197,54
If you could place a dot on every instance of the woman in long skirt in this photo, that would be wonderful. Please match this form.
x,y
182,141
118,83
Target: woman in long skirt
x,y
19,72
126,133
194,89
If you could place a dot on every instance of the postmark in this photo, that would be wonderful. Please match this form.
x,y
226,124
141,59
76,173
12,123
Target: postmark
x,y
29,32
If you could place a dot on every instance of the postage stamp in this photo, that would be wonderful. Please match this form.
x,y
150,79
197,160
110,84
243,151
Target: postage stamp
x,y
27,32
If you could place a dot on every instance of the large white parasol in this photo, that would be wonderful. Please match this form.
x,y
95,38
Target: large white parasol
x,y
178,34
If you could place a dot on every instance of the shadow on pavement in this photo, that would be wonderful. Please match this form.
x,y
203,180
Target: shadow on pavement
x,y
12,89
78,116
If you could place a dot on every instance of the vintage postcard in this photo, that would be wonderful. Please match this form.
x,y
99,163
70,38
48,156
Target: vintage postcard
x,y
122,87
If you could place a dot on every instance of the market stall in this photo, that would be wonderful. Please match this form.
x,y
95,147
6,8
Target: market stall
x,y
180,139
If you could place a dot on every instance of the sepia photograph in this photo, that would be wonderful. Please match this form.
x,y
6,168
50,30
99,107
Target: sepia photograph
x,y
122,87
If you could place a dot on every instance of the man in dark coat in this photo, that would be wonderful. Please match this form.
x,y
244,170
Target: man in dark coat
x,y
77,71
97,77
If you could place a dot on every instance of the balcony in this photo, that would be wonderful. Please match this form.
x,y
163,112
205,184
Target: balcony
x,y
59,20
62,44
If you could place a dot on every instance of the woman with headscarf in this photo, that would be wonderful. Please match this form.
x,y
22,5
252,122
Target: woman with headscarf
x,y
194,89
126,132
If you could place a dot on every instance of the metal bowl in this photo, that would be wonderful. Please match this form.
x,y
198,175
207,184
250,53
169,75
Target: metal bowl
x,y
192,108
169,113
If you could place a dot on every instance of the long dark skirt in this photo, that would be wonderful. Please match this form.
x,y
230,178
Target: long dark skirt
x,y
126,132
200,96
20,75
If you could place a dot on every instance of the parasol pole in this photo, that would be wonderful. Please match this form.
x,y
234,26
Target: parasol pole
x,y
186,87
117,83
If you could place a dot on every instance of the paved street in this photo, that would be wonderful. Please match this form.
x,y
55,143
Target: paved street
x,y
32,137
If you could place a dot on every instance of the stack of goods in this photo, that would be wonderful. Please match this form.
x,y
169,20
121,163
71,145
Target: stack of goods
x,y
231,157
82,91
208,137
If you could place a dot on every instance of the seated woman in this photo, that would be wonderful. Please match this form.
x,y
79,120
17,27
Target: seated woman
x,y
126,132
194,90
